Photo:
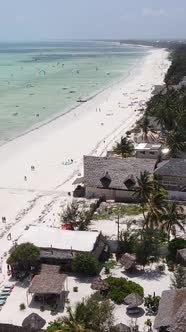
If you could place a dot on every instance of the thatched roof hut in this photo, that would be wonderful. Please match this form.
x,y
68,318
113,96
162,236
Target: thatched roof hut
x,y
128,261
34,321
121,328
172,311
99,284
133,299
49,281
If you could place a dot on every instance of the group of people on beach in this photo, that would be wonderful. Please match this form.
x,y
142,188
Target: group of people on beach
x,y
3,219
32,169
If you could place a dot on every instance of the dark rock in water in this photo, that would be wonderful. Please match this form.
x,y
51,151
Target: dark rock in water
x,y
65,88
17,105
15,114
72,91
31,94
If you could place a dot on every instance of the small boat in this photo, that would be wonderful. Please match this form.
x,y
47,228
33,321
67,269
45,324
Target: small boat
x,y
81,100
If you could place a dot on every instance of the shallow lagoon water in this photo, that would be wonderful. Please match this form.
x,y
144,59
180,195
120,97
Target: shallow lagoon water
x,y
41,80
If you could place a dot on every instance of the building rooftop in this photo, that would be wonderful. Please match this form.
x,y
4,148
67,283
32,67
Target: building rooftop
x,y
114,171
172,167
47,237
49,281
147,146
171,308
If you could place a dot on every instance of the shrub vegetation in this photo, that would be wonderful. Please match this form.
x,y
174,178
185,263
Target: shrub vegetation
x,y
121,287
85,264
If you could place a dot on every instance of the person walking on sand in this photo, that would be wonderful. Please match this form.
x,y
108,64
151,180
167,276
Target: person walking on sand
x,y
25,178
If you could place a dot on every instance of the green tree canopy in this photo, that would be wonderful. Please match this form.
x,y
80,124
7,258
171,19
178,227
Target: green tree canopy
x,y
124,148
85,264
93,314
78,218
175,245
24,256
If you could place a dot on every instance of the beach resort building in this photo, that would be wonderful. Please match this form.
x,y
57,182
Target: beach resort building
x,y
172,175
148,151
59,246
48,285
171,315
113,178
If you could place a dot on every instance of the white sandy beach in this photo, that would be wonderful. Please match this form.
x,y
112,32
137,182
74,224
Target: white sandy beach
x,y
82,131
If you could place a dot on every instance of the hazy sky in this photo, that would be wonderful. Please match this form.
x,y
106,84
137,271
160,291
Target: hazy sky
x,y
79,19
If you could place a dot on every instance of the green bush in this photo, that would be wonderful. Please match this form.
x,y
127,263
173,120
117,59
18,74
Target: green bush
x,y
175,245
24,256
121,287
109,265
22,306
75,289
171,265
85,264
152,302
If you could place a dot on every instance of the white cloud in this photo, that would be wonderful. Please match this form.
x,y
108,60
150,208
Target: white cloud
x,y
149,12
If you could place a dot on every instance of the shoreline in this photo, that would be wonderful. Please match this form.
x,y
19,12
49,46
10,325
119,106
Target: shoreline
x,y
128,76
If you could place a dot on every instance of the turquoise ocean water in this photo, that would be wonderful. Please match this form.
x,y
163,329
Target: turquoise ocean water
x,y
41,80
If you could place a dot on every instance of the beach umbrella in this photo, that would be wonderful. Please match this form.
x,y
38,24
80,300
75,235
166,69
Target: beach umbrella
x,y
120,328
99,284
128,261
34,321
133,299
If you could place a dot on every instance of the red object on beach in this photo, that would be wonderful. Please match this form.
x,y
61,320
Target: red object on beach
x,y
67,227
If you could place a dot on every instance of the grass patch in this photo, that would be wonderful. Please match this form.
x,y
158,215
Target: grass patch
x,y
121,210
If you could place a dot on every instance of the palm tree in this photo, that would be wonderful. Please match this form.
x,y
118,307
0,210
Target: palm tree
x,y
143,188
151,194
146,128
155,209
124,147
172,217
175,141
72,322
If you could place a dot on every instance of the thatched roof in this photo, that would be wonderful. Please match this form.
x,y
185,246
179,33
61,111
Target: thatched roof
x,y
173,167
78,180
121,328
172,310
179,323
133,299
45,268
50,281
13,328
128,260
99,284
34,321
117,169
181,255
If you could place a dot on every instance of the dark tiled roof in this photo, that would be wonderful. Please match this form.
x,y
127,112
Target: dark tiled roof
x,y
172,167
172,303
119,170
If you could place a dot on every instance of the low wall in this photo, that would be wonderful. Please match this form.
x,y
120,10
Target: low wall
x,y
110,194
177,195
